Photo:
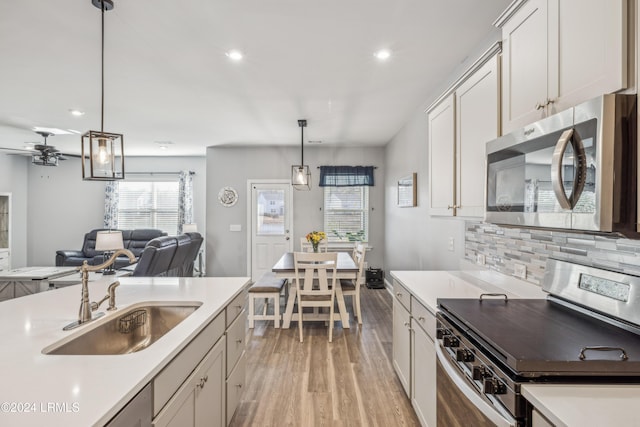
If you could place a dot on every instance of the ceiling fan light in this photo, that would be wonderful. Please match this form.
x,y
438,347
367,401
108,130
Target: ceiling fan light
x,y
44,160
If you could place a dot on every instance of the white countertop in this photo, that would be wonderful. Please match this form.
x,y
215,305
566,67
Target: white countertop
x,y
586,405
89,390
428,286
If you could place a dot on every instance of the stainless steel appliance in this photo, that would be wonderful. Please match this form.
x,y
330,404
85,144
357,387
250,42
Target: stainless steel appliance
x,y
573,170
488,347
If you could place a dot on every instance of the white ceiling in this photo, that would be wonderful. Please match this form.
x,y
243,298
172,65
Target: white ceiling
x,y
167,77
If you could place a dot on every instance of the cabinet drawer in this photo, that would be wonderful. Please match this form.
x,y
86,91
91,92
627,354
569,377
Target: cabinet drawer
x,y
235,386
423,317
236,340
173,375
235,307
402,295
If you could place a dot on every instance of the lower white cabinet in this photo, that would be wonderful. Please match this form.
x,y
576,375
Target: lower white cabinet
x,y
402,344
423,367
200,400
414,353
203,384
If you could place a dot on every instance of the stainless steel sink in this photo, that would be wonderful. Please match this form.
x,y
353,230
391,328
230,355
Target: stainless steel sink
x,y
135,329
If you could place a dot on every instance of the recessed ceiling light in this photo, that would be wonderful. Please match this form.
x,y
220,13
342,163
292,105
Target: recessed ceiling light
x,y
235,55
163,145
316,141
76,113
382,54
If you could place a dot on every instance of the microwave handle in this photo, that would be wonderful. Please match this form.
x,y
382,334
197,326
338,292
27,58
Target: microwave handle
x,y
581,169
556,169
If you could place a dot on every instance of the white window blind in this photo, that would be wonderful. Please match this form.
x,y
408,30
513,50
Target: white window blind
x,y
346,214
148,205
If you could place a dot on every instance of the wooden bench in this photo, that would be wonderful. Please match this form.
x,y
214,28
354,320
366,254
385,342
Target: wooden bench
x,y
268,286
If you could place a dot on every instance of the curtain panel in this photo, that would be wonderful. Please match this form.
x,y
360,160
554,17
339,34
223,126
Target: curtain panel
x,y
346,176
185,199
111,199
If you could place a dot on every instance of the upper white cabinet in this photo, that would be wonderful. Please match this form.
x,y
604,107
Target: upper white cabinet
x,y
460,125
442,143
558,53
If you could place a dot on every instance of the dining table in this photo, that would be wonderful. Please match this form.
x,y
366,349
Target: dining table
x,y
346,268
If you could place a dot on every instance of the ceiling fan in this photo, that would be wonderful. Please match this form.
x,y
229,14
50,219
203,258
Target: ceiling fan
x,y
42,154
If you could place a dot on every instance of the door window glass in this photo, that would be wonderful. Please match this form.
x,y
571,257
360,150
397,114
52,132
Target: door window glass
x,y
270,215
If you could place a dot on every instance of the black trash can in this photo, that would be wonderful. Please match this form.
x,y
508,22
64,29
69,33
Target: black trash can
x,y
374,278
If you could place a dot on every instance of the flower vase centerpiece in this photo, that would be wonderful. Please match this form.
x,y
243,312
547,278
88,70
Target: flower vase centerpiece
x,y
315,237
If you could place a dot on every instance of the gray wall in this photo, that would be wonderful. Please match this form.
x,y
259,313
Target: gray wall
x,y
414,239
233,166
14,180
62,207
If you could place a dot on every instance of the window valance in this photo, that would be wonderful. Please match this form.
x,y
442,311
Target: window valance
x,y
346,176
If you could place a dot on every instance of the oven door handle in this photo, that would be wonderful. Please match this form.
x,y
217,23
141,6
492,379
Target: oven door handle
x,y
499,418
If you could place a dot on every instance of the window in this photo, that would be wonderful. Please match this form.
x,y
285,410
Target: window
x,y
148,205
346,213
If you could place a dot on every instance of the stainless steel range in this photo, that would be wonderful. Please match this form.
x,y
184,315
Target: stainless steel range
x,y
587,331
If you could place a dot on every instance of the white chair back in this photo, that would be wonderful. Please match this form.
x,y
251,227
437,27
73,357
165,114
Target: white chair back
x,y
323,245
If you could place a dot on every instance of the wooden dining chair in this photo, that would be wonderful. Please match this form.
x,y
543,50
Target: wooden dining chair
x,y
352,286
323,245
315,277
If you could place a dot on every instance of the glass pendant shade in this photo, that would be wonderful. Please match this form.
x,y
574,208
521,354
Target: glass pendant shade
x,y
102,156
300,174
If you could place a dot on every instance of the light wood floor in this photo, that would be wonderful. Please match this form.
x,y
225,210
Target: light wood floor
x,y
349,382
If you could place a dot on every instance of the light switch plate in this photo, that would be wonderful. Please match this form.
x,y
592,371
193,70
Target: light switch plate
x,y
235,227
520,270
480,259
451,244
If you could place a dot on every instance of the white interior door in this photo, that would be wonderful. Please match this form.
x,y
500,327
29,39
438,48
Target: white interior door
x,y
271,224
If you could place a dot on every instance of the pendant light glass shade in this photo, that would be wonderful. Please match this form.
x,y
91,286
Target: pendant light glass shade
x,y
300,174
102,152
102,156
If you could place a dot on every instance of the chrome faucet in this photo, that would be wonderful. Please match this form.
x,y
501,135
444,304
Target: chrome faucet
x,y
86,307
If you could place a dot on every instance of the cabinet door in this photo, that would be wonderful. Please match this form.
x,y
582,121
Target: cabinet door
x,y
210,392
524,72
441,122
402,345
477,122
589,40
200,401
424,377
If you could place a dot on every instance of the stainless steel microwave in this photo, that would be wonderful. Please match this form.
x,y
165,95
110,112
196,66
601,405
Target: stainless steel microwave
x,y
575,170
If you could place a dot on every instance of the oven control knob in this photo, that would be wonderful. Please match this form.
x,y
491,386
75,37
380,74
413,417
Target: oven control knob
x,y
479,373
464,355
441,332
450,341
494,386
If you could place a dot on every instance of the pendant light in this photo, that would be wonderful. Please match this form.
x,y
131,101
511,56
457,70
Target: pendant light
x,y
102,152
300,174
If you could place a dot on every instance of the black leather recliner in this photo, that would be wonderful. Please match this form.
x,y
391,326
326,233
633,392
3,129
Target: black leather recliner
x,y
170,256
134,240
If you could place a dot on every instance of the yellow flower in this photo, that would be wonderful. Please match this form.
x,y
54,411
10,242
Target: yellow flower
x,y
316,236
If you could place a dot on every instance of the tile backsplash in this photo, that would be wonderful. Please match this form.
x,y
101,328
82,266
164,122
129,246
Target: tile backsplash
x,y
505,247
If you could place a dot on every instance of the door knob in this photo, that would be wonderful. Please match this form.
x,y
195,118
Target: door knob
x,y
286,238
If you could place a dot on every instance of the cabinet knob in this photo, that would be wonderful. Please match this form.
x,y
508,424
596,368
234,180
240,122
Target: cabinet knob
x,y
540,106
239,341
550,101
421,318
239,385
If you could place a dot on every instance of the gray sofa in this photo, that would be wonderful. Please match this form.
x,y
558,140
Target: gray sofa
x,y
134,240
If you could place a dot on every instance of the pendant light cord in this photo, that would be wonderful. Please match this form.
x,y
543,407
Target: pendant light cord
x,y
102,74
302,146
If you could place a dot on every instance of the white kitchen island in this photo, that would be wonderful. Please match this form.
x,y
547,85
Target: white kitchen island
x,y
39,389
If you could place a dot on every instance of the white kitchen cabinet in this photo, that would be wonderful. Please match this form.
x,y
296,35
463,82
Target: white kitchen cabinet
x,y
200,400
477,122
423,364
402,343
459,128
442,140
558,53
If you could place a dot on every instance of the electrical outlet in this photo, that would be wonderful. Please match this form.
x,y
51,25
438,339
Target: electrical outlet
x,y
480,259
520,270
451,244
